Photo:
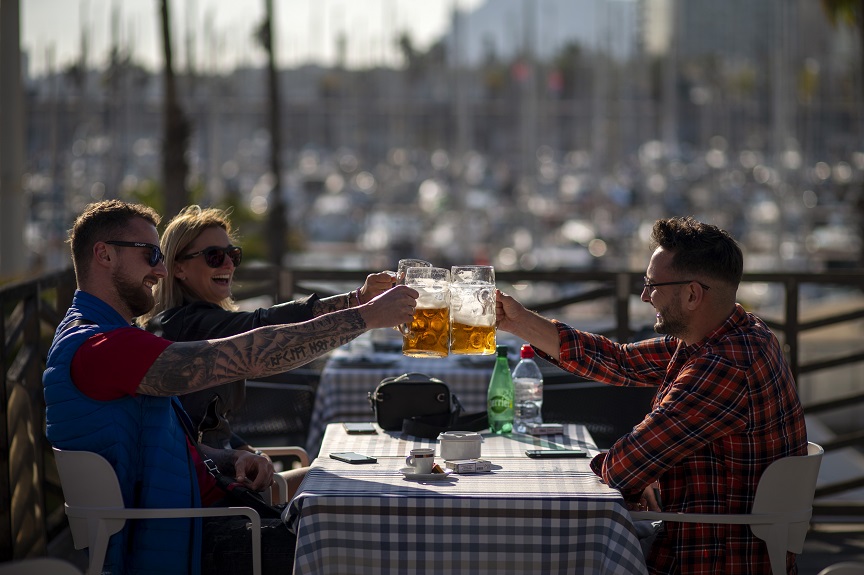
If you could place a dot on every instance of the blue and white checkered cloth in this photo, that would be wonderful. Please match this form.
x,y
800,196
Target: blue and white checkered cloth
x,y
525,516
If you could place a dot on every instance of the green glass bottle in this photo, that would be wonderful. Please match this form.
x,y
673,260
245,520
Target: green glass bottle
x,y
499,404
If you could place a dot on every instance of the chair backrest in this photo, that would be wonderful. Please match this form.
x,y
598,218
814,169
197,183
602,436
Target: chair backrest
x,y
788,485
274,413
844,568
88,480
39,566
607,411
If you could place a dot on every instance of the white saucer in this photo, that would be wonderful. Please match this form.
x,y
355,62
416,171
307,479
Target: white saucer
x,y
408,472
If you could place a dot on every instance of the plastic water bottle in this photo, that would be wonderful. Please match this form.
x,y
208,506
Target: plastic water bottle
x,y
500,397
528,390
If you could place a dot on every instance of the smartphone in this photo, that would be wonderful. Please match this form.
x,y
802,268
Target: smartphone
x,y
555,453
359,428
544,429
351,457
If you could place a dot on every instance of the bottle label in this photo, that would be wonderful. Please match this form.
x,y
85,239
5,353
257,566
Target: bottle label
x,y
499,404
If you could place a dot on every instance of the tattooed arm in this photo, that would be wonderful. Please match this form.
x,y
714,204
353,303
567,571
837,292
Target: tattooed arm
x,y
374,285
189,366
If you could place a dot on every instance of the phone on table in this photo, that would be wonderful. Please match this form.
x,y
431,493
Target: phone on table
x,y
359,428
351,457
555,453
544,429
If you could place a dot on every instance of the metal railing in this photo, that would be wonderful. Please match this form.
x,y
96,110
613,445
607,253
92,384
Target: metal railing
x,y
31,510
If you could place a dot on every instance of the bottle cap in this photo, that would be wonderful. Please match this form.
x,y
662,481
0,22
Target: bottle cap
x,y
527,351
502,350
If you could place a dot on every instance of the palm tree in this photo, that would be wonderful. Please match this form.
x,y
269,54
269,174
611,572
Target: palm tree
x,y
176,130
277,220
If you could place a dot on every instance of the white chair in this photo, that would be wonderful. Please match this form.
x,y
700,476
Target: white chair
x,y
39,566
845,568
280,494
95,508
781,510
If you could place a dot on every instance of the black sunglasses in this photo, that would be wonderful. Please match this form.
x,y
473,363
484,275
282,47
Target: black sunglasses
x,y
214,256
649,286
156,254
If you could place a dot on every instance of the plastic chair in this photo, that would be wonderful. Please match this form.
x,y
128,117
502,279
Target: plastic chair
x,y
39,566
95,508
781,510
845,568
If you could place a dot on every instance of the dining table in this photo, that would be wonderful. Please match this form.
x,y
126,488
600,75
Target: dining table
x,y
352,372
523,516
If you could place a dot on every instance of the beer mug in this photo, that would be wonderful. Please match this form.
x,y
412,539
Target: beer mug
x,y
429,333
409,263
472,310
400,280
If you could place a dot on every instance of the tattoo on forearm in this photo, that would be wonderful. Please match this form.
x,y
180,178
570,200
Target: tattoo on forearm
x,y
188,366
330,304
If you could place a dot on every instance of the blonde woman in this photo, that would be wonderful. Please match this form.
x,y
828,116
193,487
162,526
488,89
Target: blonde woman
x,y
194,302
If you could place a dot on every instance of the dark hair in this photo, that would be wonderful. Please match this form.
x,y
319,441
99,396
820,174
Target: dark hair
x,y
700,249
103,221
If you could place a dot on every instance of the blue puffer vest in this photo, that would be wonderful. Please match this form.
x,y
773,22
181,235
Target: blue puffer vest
x,y
141,437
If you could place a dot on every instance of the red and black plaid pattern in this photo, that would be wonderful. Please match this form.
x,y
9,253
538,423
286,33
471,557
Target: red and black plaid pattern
x,y
725,409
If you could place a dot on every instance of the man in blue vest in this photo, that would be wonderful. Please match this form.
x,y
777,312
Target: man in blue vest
x,y
110,387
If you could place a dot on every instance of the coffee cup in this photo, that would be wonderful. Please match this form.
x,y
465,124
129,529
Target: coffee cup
x,y
421,459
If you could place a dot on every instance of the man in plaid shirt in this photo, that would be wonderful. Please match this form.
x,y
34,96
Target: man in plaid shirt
x,y
726,405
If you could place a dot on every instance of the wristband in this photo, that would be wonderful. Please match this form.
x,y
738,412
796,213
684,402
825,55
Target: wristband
x,y
356,293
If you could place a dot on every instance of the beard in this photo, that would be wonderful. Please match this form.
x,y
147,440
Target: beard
x,y
137,298
671,322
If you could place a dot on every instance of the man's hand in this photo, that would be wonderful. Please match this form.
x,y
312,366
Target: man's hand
x,y
649,500
253,471
393,307
512,317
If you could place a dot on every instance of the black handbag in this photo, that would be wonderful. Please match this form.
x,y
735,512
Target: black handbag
x,y
421,406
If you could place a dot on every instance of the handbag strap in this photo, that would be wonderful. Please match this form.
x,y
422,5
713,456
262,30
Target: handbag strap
x,y
430,427
186,424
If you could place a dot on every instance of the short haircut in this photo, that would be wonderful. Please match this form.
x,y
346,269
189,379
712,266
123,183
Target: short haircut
x,y
700,249
103,221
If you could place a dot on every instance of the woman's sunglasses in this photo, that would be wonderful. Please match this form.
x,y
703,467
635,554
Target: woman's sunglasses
x,y
214,256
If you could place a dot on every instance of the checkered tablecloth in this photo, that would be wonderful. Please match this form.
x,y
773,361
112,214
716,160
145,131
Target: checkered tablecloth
x,y
525,516
346,380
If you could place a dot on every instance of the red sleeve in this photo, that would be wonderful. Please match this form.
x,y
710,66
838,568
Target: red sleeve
x,y
110,365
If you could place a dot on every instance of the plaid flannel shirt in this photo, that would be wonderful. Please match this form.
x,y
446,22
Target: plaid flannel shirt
x,y
725,409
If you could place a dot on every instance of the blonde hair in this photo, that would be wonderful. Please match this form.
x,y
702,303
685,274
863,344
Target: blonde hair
x,y
180,232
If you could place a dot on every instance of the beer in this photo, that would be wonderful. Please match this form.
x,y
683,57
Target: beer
x,y
472,339
429,335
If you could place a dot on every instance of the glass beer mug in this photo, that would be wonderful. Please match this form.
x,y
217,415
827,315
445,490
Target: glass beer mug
x,y
404,264
472,310
429,333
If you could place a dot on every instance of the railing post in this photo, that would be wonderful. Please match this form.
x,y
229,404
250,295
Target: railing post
x,y
790,327
622,306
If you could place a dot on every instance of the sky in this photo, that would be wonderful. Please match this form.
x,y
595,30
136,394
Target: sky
x,y
51,30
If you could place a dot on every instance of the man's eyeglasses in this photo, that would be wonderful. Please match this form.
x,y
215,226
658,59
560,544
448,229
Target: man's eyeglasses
x,y
214,256
649,286
156,254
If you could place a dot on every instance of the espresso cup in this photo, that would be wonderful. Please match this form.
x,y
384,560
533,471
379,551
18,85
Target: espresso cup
x,y
421,459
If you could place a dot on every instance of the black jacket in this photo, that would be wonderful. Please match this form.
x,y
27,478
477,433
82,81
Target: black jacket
x,y
210,409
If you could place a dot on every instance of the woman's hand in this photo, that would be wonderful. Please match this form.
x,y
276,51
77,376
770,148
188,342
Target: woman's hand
x,y
375,285
253,471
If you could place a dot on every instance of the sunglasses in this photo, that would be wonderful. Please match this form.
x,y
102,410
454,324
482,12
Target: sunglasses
x,y
156,255
214,256
650,286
